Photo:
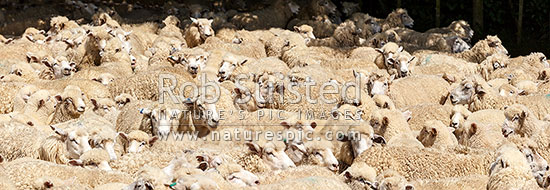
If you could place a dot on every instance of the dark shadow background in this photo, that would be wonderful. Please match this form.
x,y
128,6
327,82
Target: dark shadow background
x,y
499,16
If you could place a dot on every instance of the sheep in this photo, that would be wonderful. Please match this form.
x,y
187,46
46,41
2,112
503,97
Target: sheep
x,y
390,124
17,171
198,32
5,182
23,96
480,135
137,140
430,111
105,78
397,18
390,179
144,86
31,142
56,183
458,28
526,124
276,15
70,105
492,63
344,36
171,28
482,49
437,135
454,183
527,87
321,26
265,150
432,41
360,176
417,90
94,158
434,164
510,170
9,92
447,65
248,49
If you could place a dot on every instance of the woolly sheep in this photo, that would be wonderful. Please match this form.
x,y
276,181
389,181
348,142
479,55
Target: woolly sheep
x,y
344,36
435,164
458,28
437,135
137,140
417,90
17,171
510,170
397,18
70,105
276,15
389,123
480,135
425,112
198,31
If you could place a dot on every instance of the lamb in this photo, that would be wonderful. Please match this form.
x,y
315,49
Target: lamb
x,y
417,90
437,135
17,171
435,164
198,32
458,28
397,18
276,15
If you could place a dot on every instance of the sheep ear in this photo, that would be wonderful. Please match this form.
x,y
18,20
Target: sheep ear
x,y
407,114
473,129
379,50
254,148
285,124
480,90
193,20
400,49
48,184
210,21
385,121
94,102
58,131
296,28
123,136
347,175
379,139
58,98
203,166
76,163
153,140
433,132
524,114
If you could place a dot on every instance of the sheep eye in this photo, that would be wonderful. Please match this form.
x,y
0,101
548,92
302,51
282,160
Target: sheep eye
x,y
511,92
547,168
270,154
74,141
142,144
318,154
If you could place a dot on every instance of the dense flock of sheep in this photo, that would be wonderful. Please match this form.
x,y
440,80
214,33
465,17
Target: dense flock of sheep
x,y
103,105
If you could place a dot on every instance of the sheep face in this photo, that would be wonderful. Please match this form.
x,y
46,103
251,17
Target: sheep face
x,y
103,106
395,183
61,67
105,78
373,25
515,117
463,93
163,119
508,90
363,144
197,11
326,7
406,20
496,45
272,154
293,7
227,67
76,141
137,141
143,185
458,116
538,165
305,31
123,99
204,114
243,178
401,62
72,101
204,26
459,45
240,96
463,29
195,62
322,156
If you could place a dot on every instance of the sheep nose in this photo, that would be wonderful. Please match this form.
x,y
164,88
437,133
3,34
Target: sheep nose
x,y
208,35
81,108
221,73
454,124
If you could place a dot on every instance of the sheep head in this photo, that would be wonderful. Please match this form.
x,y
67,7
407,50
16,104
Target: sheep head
x,y
76,141
71,101
305,31
401,62
95,158
137,140
362,175
320,153
163,119
204,27
459,114
272,153
463,93
463,29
